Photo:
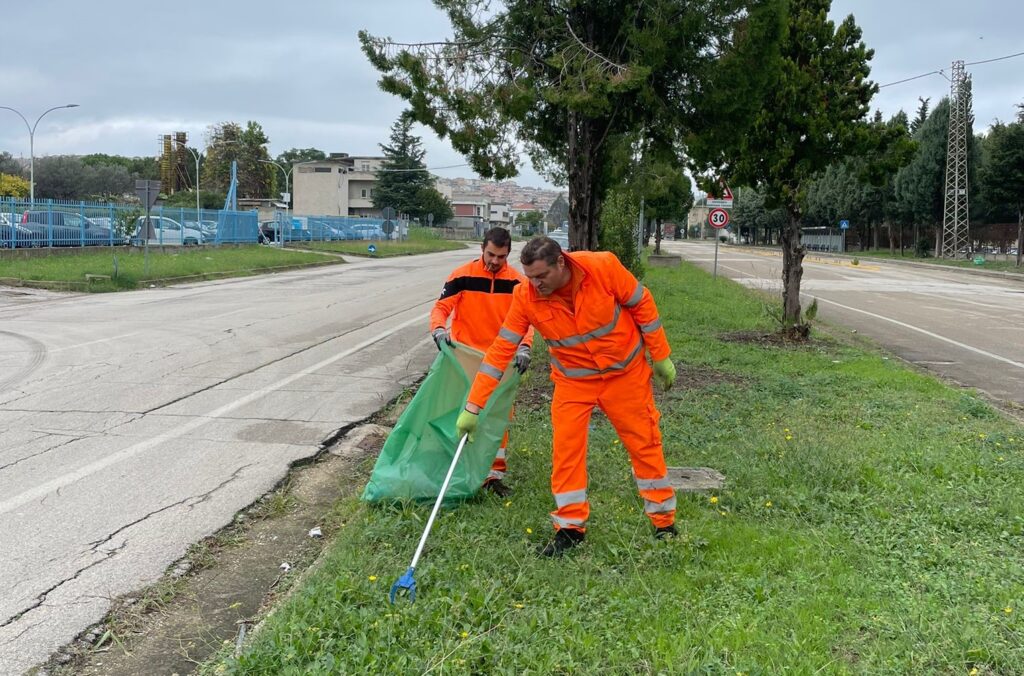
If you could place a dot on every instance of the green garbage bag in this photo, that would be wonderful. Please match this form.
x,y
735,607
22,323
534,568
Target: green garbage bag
x,y
416,456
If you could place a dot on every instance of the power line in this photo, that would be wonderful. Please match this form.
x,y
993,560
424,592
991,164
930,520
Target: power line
x,y
940,71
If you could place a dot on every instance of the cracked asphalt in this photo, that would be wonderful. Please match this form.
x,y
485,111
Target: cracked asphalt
x,y
133,425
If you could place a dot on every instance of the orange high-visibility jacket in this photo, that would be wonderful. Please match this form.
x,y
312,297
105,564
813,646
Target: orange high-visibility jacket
x,y
614,319
478,301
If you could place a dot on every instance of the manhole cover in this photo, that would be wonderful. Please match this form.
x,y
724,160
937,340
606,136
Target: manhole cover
x,y
695,479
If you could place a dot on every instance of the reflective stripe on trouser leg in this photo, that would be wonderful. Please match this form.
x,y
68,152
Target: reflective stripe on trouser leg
x,y
500,464
628,401
571,406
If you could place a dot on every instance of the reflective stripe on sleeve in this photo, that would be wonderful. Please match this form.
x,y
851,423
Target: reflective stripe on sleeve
x,y
637,296
490,370
651,326
514,338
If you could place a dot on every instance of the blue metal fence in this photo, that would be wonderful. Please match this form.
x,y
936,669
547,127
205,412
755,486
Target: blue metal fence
x,y
52,223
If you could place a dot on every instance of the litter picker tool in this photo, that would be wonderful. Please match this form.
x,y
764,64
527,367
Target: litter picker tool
x,y
407,581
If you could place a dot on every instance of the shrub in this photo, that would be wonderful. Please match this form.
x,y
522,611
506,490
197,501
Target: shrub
x,y
619,218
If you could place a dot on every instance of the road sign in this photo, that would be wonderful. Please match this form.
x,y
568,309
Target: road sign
x,y
387,213
372,249
723,200
844,224
286,196
718,218
388,227
430,219
147,192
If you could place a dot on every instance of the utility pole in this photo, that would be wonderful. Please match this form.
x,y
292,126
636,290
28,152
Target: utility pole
x,y
955,223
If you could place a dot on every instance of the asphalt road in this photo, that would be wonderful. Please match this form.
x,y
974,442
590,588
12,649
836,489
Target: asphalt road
x,y
133,425
964,327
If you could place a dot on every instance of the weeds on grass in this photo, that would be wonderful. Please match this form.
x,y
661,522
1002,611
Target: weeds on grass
x,y
872,523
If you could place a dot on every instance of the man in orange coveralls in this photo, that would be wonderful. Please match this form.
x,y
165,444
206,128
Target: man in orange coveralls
x,y
476,296
597,320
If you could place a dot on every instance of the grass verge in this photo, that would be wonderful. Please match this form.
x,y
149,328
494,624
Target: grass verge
x,y
1009,265
872,523
419,241
188,263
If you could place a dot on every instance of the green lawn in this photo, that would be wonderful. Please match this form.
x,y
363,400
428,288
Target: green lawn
x,y
872,523
419,241
1009,265
184,262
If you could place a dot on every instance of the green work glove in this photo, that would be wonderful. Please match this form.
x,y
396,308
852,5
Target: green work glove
x,y
466,424
665,373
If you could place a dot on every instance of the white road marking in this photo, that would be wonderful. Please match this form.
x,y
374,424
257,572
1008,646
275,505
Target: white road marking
x,y
93,342
65,480
928,333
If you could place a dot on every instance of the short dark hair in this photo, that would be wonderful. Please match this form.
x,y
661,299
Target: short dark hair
x,y
540,248
499,237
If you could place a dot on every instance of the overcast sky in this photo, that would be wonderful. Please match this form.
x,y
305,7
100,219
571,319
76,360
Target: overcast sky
x,y
139,70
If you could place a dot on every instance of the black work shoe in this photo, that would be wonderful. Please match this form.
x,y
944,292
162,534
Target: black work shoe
x,y
666,533
498,487
564,540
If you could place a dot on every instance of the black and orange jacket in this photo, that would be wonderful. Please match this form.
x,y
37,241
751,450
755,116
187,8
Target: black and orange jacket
x,y
614,321
477,302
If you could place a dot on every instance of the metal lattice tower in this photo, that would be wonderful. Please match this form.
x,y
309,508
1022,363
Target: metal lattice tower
x,y
955,226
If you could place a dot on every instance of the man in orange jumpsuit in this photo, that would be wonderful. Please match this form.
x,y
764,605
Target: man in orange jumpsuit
x,y
477,296
597,320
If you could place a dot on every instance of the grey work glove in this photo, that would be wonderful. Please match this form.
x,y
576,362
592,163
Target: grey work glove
x,y
522,359
440,334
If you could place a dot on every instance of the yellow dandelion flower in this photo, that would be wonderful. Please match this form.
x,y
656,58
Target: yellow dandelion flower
x,y
529,531
1007,610
973,672
464,634
786,430
982,436
616,442
1012,439
721,512
789,437
768,504
713,499
1000,458
373,578
519,605
508,504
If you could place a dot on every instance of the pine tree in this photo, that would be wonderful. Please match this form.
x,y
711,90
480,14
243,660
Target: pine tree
x,y
403,183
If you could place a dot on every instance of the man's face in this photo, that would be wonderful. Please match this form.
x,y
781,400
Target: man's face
x,y
546,278
495,258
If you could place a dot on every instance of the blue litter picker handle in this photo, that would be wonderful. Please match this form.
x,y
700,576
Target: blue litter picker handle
x,y
407,581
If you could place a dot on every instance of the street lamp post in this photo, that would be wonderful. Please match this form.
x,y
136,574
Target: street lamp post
x,y
287,190
32,145
199,218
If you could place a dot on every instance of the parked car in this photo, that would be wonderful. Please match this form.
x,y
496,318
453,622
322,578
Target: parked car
x,y
562,237
368,231
268,232
208,228
64,228
14,236
166,232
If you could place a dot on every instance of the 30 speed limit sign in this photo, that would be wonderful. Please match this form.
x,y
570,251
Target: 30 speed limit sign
x,y
718,218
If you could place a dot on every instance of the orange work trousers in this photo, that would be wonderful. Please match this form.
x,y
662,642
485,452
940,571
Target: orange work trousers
x,y
628,401
500,464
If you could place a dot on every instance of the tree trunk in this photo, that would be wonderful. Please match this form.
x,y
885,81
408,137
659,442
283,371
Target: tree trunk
x,y
892,239
792,272
913,244
584,159
874,235
657,237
